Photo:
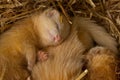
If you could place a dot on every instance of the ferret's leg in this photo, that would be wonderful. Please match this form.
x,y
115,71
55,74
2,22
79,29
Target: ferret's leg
x,y
101,64
30,56
42,56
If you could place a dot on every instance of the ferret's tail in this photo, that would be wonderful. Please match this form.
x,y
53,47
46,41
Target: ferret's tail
x,y
98,34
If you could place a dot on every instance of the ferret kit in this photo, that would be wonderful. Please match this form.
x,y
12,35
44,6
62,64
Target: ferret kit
x,y
45,46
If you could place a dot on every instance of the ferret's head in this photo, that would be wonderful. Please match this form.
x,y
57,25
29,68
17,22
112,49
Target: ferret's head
x,y
52,27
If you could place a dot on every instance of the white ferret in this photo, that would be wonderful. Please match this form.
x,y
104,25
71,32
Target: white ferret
x,y
26,37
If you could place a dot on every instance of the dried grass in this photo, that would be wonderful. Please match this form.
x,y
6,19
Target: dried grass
x,y
105,12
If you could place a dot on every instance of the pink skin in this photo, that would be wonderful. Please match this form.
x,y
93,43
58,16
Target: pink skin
x,y
42,56
57,38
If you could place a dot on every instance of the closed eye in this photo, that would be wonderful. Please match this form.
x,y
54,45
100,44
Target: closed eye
x,y
57,26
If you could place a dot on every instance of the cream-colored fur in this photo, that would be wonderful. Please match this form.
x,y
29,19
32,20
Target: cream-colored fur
x,y
19,45
22,41
66,61
93,32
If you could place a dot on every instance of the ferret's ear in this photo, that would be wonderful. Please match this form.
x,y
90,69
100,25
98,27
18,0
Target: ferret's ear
x,y
52,13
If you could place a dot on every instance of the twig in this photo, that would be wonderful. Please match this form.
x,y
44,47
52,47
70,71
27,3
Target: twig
x,y
91,3
82,75
16,17
114,27
71,2
66,15
52,1
6,19
11,5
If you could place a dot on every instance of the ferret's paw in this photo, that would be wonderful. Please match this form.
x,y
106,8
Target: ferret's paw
x,y
42,56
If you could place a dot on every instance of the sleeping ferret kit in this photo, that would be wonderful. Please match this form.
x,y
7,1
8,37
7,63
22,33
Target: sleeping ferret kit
x,y
59,40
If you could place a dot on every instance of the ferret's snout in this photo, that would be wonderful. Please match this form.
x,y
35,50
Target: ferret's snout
x,y
57,38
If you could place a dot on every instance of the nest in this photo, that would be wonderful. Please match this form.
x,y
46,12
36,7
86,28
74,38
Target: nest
x,y
105,12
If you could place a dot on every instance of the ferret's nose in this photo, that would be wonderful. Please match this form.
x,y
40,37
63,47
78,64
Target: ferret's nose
x,y
57,38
